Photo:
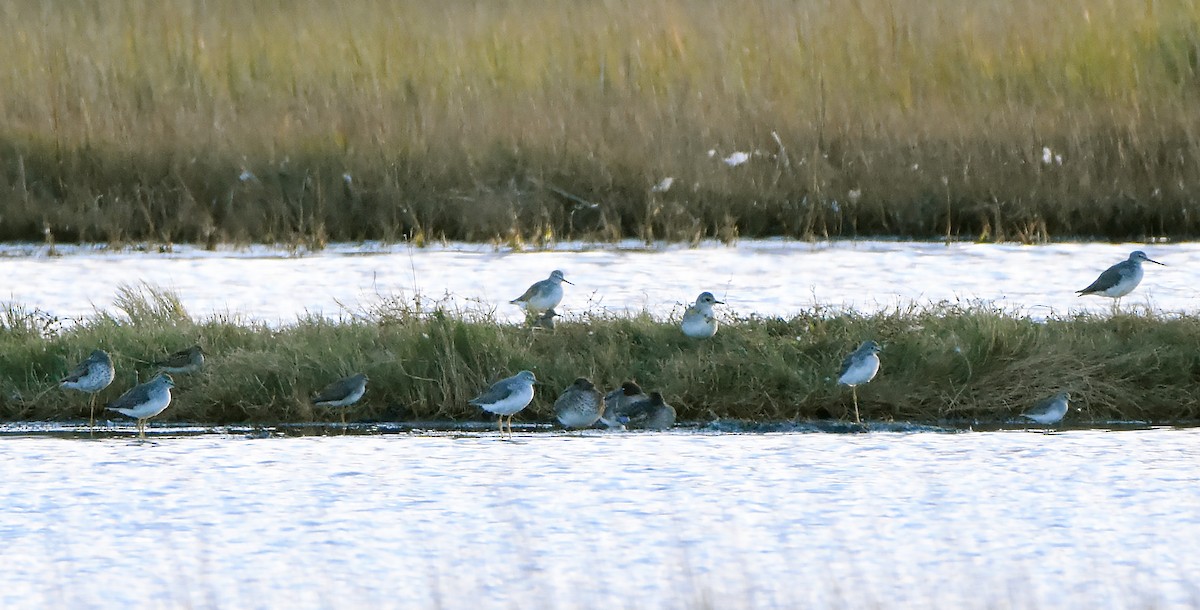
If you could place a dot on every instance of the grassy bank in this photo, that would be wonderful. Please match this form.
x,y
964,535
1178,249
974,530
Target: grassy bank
x,y
943,363
218,121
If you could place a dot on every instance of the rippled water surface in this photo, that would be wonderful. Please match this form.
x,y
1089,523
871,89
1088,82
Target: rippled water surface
x,y
771,277
1080,519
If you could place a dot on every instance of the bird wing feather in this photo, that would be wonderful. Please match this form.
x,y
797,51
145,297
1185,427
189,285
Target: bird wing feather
x,y
336,390
499,391
136,395
529,294
1111,277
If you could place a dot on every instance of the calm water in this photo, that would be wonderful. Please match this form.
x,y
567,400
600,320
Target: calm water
x,y
1081,519
767,277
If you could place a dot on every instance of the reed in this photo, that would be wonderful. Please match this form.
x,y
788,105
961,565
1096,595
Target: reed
x,y
533,120
948,363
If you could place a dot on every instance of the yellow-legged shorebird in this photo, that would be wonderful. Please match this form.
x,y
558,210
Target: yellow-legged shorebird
x,y
342,393
1120,279
858,368
507,397
543,295
145,400
91,376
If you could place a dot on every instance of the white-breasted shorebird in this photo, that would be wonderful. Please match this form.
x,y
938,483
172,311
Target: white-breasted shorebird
x,y
91,376
1120,279
1049,411
145,400
698,320
858,368
342,393
507,397
543,295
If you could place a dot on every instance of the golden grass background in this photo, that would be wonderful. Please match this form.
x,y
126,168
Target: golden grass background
x,y
133,119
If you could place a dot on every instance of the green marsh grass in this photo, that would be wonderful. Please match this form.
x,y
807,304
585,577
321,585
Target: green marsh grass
x,y
947,363
531,120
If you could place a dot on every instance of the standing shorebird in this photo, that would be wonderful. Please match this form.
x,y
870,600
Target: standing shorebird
x,y
1120,279
145,400
342,393
183,361
543,295
580,405
651,413
859,368
617,403
698,320
507,397
91,376
1049,411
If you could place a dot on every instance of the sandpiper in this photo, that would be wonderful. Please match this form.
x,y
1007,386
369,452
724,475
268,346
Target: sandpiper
x,y
859,368
91,376
145,400
698,320
183,361
580,405
543,295
507,397
1049,411
1120,279
342,393
651,413
617,402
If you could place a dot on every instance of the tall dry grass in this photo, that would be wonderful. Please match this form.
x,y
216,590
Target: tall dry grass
x,y
133,119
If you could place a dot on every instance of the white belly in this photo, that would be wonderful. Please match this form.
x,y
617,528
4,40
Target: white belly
x,y
157,404
1125,286
543,300
699,326
862,371
514,402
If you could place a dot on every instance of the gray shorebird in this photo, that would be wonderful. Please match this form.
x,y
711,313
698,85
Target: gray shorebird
x,y
1120,279
546,320
184,361
652,413
698,320
507,397
617,402
1049,411
145,400
580,405
342,393
91,376
543,295
858,368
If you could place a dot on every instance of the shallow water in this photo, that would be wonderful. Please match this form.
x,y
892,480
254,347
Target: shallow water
x,y
1081,519
768,277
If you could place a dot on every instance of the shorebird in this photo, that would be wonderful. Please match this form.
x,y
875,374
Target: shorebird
x,y
698,320
546,320
580,405
1120,279
543,295
1049,411
859,368
91,376
507,397
342,393
617,402
145,400
183,361
651,413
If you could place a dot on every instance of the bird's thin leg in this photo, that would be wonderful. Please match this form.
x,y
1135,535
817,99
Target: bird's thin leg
x,y
141,426
854,394
92,414
500,426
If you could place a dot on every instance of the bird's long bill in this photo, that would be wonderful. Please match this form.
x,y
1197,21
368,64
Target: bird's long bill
x,y
1150,260
573,283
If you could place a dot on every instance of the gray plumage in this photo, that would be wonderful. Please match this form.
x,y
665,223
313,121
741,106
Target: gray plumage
x,y
1120,279
698,320
92,375
1050,410
507,397
183,361
543,295
580,405
861,365
343,392
652,413
145,400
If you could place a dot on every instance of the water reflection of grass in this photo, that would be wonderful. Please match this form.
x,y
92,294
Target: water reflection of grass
x,y
943,362
313,120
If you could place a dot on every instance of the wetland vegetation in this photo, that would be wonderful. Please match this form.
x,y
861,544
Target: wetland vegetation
x,y
948,363
534,120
